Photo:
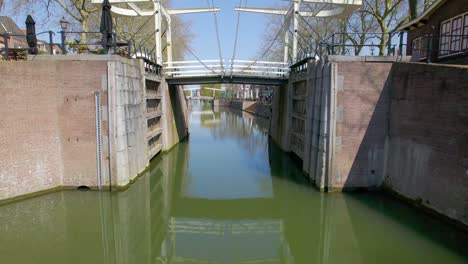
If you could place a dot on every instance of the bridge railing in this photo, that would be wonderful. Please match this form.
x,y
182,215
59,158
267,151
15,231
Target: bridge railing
x,y
207,68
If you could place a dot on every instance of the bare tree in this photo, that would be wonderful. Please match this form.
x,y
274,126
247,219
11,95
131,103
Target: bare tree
x,y
389,15
359,28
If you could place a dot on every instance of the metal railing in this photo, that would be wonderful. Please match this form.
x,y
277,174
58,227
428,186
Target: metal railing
x,y
356,44
95,44
207,68
366,43
11,52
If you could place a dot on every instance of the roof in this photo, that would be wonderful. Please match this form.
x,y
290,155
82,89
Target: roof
x,y
421,19
7,25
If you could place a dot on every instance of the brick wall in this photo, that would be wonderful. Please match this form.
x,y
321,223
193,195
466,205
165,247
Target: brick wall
x,y
47,129
428,136
361,124
48,125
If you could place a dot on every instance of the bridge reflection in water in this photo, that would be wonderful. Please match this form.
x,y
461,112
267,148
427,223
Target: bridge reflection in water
x,y
226,196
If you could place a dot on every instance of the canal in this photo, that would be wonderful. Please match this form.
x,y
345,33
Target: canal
x,y
226,195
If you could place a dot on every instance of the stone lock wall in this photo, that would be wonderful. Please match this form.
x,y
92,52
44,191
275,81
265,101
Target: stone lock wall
x,y
370,124
48,125
53,110
427,141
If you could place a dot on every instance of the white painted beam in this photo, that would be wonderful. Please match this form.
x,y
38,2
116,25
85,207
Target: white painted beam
x,y
323,13
120,1
271,11
336,2
183,11
135,8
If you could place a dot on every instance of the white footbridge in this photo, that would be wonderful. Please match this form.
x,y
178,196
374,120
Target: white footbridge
x,y
226,71
233,70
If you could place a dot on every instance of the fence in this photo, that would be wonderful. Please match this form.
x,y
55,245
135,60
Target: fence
x,y
226,68
15,47
356,44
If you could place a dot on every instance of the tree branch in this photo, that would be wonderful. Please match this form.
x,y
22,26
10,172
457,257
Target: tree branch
x,y
64,7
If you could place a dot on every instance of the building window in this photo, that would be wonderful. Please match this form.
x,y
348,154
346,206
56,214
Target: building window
x,y
419,48
454,35
444,38
465,33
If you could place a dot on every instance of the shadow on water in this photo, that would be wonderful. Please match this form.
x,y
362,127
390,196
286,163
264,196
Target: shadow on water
x,y
228,195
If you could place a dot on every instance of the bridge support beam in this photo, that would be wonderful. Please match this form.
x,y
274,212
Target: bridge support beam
x,y
297,6
157,27
338,8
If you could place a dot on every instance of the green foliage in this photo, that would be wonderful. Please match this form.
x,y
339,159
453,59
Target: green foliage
x,y
209,92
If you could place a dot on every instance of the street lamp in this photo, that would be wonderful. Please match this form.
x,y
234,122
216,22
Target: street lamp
x,y
64,25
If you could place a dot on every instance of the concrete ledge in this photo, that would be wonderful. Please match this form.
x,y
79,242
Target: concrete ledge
x,y
23,197
78,57
426,209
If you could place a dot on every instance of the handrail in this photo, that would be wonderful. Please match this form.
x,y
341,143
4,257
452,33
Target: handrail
x,y
270,69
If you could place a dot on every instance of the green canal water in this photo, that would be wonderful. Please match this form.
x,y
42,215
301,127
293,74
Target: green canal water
x,y
227,195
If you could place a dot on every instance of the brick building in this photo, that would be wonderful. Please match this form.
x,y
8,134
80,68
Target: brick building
x,y
440,33
17,39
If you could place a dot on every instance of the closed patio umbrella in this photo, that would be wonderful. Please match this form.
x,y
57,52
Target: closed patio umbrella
x,y
31,34
106,24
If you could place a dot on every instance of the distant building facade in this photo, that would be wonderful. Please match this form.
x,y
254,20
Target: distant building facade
x,y
440,33
17,39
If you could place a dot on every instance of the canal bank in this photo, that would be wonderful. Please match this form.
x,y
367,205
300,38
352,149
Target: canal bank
x,y
227,195
254,107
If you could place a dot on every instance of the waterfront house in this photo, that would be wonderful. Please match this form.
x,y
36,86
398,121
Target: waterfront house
x,y
440,33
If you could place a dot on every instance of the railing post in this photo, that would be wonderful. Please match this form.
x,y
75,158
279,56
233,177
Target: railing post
x,y
401,44
129,45
115,42
333,44
7,51
389,44
64,50
51,44
343,43
104,42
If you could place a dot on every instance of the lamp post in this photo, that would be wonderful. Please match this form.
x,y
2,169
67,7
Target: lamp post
x,y
64,25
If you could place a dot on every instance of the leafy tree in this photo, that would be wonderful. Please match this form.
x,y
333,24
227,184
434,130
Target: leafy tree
x,y
209,92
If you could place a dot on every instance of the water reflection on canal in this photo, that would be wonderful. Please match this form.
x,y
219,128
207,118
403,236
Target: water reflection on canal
x,y
227,195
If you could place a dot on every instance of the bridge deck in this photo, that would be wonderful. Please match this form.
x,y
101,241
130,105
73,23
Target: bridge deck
x,y
226,79
226,71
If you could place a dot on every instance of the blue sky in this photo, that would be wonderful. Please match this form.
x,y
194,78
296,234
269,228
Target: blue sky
x,y
204,43
251,29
